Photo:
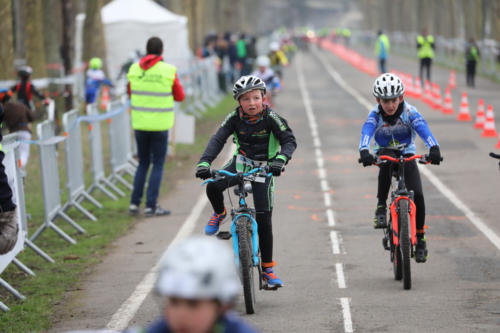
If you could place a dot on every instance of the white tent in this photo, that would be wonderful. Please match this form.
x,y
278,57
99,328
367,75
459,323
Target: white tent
x,y
128,24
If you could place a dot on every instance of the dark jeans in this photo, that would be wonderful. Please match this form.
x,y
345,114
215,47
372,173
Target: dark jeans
x,y
6,203
382,65
151,148
470,73
425,63
263,194
412,181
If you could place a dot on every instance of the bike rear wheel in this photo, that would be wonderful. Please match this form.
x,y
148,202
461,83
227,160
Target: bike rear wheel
x,y
404,242
246,263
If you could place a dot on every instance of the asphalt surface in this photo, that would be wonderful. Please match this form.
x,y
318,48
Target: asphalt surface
x,y
337,276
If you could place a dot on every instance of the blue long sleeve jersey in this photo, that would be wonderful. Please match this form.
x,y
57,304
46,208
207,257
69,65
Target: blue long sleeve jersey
x,y
403,131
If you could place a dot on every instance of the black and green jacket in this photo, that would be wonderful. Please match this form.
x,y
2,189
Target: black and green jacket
x,y
270,137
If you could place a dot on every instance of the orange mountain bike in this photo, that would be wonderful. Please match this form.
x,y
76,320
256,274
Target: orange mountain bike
x,y
400,235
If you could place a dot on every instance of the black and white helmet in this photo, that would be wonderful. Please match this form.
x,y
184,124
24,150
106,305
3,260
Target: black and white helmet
x,y
388,86
246,84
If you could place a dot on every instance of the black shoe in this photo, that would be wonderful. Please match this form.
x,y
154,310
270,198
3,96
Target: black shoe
x,y
380,219
421,253
157,211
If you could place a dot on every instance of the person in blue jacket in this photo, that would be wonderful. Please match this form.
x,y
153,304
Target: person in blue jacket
x,y
392,123
199,283
95,77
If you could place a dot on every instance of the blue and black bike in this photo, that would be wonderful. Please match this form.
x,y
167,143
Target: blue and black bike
x,y
244,231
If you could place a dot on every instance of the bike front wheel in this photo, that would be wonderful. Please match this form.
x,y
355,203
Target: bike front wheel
x,y
246,263
404,241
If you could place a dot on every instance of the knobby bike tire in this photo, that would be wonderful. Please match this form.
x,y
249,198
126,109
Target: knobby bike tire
x,y
395,255
246,263
404,242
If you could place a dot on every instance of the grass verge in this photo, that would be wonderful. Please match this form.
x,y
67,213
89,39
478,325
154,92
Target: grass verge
x,y
54,281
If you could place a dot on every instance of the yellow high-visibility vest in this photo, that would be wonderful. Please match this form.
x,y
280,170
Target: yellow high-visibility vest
x,y
152,102
425,50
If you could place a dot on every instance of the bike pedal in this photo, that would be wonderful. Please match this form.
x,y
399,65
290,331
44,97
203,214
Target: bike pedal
x,y
385,244
224,235
267,287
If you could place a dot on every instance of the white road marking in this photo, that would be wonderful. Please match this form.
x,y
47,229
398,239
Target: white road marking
x,y
335,242
346,311
328,201
330,217
340,275
324,185
121,318
316,142
447,192
322,173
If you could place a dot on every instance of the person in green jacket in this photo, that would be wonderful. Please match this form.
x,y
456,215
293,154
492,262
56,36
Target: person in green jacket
x,y
425,47
471,58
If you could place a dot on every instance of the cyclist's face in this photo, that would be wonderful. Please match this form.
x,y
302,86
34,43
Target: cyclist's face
x,y
252,102
390,106
191,316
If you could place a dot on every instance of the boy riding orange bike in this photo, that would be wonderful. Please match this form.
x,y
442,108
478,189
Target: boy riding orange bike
x,y
391,123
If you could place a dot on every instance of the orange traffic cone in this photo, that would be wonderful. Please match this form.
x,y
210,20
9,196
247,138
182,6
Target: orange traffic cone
x,y
448,104
489,126
498,144
436,97
418,88
104,98
464,113
480,115
452,81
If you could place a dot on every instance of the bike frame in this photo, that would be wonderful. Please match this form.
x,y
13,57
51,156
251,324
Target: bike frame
x,y
401,193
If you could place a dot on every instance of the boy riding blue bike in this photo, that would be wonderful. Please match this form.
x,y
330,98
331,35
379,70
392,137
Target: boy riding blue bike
x,y
260,135
394,122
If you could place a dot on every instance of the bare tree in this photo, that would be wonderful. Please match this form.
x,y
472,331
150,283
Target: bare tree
x,y
94,44
7,49
35,48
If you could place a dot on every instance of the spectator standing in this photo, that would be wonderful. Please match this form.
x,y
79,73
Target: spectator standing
x,y
471,59
241,51
8,217
382,47
153,88
17,117
425,47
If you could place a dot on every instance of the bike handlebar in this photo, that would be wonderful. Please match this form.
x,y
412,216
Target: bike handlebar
x,y
423,159
497,156
215,173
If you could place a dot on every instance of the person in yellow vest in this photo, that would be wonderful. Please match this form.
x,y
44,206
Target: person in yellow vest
x,y
425,47
153,88
382,47
471,58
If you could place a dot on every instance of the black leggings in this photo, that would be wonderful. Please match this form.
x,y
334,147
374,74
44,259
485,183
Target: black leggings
x,y
263,195
427,63
413,182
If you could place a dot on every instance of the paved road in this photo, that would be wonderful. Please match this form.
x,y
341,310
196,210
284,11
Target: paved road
x,y
338,277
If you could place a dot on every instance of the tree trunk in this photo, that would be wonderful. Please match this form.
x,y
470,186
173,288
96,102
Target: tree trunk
x,y
65,49
6,40
35,48
94,44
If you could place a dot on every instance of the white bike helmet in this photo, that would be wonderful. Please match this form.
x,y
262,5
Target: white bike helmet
x,y
246,84
200,267
263,61
388,86
274,46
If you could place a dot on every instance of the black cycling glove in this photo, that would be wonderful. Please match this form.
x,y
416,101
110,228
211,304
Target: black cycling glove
x,y
277,165
203,170
435,155
366,158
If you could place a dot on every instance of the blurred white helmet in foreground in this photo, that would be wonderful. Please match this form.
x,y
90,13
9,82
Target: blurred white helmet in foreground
x,y
200,267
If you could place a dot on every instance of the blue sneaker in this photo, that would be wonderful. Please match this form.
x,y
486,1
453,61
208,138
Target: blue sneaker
x,y
272,281
213,225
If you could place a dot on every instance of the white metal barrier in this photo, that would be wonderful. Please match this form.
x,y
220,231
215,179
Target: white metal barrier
x,y
75,182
